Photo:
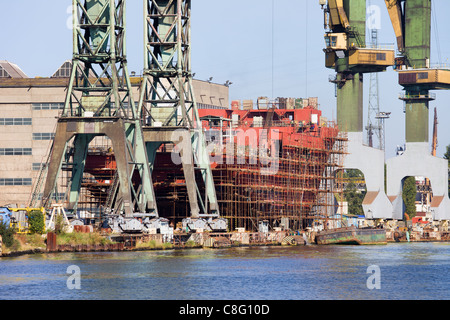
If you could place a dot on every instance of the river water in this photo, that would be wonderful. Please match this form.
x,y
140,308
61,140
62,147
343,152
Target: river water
x,y
402,271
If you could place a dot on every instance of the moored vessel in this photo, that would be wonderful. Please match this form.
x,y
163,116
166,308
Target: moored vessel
x,y
351,236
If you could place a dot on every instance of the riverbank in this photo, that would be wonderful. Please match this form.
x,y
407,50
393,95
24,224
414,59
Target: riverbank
x,y
105,242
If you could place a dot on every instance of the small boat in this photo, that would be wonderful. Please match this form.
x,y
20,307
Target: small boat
x,y
352,236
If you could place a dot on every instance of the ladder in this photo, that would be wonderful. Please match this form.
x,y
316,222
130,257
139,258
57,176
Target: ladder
x,y
40,180
269,118
112,191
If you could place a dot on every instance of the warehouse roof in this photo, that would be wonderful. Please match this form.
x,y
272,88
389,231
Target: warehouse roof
x,y
11,70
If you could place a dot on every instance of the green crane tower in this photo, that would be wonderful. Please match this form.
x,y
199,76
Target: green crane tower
x,y
411,20
167,102
347,54
99,102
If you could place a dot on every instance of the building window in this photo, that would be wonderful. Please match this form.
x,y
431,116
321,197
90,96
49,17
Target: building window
x,y
43,136
15,181
381,56
48,106
15,152
3,73
422,75
209,106
15,121
55,196
64,71
37,166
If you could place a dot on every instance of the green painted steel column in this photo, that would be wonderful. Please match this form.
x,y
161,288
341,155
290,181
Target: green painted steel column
x,y
356,14
350,85
416,120
350,103
81,144
417,45
418,32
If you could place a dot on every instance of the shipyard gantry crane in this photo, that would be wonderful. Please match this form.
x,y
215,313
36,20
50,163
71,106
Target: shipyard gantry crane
x,y
167,101
346,53
99,102
411,20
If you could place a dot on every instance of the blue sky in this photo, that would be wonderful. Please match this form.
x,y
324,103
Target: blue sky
x,y
264,47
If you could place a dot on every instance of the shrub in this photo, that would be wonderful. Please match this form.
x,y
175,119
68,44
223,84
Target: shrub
x,y
59,224
36,222
7,235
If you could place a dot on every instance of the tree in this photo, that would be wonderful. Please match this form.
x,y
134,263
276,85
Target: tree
x,y
7,234
36,222
447,153
354,199
352,195
409,196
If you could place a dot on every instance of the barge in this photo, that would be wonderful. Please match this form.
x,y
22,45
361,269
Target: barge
x,y
352,236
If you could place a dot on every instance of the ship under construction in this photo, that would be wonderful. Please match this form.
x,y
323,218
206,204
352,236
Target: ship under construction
x,y
276,165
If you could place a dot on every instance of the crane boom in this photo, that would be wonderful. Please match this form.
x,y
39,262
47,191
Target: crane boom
x,y
396,15
337,13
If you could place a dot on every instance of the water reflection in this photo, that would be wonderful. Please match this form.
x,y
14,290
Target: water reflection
x,y
276,273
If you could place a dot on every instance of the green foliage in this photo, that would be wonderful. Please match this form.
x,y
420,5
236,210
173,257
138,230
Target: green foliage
x,y
35,240
353,173
409,196
76,238
352,195
447,153
36,222
152,244
354,199
59,224
7,235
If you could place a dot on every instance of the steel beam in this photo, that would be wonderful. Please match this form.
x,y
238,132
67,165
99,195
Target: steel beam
x,y
167,102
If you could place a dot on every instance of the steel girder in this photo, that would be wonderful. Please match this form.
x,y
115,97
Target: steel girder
x,y
167,98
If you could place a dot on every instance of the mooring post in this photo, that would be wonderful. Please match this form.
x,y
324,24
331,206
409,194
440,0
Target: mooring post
x,y
51,241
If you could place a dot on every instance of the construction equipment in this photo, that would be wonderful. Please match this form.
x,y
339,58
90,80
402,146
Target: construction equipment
x,y
5,216
17,218
58,211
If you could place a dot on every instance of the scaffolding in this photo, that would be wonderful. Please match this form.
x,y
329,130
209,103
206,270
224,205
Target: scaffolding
x,y
299,194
